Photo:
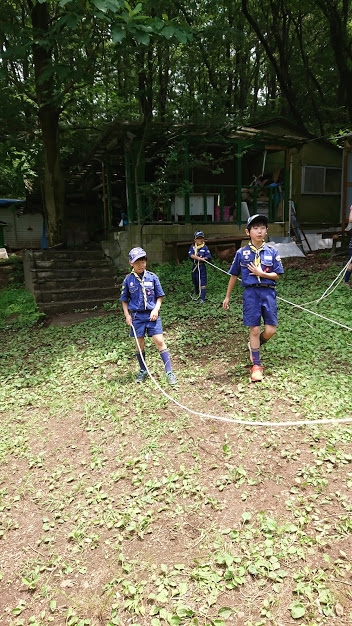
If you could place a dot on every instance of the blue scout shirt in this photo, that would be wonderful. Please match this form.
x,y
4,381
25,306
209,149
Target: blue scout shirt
x,y
269,260
204,252
141,292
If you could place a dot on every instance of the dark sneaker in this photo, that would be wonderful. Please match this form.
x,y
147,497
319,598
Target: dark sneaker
x,y
171,378
142,375
256,374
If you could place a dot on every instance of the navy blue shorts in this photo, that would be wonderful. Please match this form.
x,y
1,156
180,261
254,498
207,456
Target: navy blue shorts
x,y
144,326
259,302
199,275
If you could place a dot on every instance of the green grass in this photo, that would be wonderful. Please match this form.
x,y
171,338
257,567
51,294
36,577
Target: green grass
x,y
18,308
118,507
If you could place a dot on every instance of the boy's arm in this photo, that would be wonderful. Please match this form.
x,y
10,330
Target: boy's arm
x,y
230,286
127,313
350,216
154,314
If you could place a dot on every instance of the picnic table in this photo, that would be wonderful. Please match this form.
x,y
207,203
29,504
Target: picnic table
x,y
234,239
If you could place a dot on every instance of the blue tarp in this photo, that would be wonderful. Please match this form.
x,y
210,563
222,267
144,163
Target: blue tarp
x,y
10,201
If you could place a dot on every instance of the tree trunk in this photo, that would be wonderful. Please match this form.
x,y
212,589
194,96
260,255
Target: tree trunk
x,y
276,49
337,14
54,185
48,115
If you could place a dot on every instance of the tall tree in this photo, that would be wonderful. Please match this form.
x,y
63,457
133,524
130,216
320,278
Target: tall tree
x,y
61,43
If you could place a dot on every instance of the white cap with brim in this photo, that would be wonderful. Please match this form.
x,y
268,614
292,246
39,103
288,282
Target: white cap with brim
x,y
258,217
135,254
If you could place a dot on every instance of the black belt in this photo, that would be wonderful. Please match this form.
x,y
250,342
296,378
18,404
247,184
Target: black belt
x,y
260,285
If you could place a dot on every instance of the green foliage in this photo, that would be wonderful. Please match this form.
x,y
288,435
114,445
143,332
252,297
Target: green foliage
x,y
143,512
18,308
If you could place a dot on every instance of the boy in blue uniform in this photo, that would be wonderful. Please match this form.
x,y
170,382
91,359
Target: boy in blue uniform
x,y
260,267
141,297
198,252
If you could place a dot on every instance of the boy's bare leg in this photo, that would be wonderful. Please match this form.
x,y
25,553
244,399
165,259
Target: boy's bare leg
x,y
254,337
267,334
159,342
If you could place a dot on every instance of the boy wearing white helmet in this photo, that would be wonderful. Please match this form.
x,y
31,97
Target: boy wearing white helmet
x,y
260,267
141,297
198,252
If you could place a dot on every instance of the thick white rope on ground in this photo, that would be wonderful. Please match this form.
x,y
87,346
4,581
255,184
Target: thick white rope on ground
x,y
240,422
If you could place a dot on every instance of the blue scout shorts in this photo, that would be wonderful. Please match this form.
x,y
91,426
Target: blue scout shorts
x,y
259,302
144,326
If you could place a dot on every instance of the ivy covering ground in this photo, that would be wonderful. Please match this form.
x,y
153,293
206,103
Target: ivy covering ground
x,y
119,507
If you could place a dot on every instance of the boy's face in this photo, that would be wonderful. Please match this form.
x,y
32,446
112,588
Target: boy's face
x,y
199,241
140,265
257,232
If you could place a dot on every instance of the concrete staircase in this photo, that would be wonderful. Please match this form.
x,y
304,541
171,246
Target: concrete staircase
x,y
64,281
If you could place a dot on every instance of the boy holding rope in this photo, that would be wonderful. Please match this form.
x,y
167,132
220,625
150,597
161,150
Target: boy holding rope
x,y
141,297
198,252
260,267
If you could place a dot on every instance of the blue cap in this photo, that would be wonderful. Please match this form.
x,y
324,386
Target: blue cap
x,y
135,254
198,234
258,217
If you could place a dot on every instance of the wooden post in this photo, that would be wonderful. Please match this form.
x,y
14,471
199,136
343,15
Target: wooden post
x,y
239,183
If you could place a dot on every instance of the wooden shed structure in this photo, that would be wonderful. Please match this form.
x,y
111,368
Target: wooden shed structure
x,y
315,177
157,172
183,173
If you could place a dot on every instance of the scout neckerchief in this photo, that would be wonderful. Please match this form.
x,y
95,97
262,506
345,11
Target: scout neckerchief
x,y
141,282
257,252
196,248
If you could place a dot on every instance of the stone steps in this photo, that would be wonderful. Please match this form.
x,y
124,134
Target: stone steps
x,y
69,283
69,306
64,281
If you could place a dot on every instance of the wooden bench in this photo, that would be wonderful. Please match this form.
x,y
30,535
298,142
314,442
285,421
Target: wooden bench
x,y
234,239
335,236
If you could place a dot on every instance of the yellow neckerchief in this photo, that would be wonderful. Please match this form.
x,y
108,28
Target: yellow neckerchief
x,y
141,282
257,252
196,248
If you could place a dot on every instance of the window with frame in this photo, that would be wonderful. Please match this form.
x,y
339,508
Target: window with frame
x,y
321,180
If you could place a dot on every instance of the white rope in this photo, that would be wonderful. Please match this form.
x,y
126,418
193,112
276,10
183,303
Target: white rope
x,y
327,319
197,269
216,267
241,422
331,289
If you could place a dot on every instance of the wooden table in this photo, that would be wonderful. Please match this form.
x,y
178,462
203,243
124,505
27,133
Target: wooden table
x,y
234,239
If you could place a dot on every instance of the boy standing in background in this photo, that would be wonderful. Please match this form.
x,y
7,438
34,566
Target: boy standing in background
x,y
198,252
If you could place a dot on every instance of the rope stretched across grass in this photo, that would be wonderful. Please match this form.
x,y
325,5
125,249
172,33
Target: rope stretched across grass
x,y
235,420
242,422
302,307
